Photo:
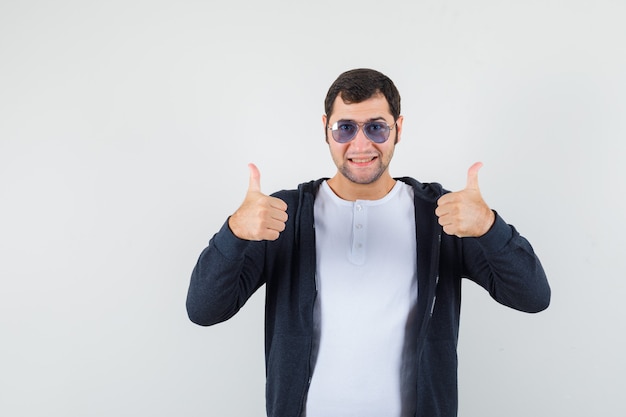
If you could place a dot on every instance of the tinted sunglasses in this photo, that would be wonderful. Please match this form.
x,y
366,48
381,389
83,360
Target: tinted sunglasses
x,y
344,131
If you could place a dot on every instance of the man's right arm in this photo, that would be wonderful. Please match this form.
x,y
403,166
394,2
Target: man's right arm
x,y
227,273
230,269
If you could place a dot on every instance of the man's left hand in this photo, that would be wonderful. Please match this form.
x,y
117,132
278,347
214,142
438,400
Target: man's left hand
x,y
464,213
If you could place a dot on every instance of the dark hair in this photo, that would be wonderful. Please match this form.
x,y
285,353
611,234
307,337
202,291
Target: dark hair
x,y
358,85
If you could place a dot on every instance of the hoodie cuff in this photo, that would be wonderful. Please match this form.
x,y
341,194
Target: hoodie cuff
x,y
228,244
497,237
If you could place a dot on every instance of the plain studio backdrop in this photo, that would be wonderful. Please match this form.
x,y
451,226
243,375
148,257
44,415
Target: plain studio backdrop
x,y
126,128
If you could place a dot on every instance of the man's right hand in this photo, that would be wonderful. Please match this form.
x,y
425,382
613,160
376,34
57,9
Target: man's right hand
x,y
260,217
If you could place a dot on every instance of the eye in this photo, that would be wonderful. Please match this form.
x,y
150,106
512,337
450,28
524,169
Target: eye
x,y
376,126
345,126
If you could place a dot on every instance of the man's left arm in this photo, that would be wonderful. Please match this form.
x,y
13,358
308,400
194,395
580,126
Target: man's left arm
x,y
505,264
494,254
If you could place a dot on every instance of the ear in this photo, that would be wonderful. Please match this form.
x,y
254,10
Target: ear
x,y
324,122
399,128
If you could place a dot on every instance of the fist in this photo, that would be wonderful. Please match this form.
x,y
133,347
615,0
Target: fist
x,y
464,213
260,217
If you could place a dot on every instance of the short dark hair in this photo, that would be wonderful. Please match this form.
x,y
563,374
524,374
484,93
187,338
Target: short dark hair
x,y
358,85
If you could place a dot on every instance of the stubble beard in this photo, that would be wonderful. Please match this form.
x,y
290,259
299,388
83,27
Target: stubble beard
x,y
352,176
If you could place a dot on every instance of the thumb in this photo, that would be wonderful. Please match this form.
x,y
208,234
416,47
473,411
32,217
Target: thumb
x,y
255,179
472,176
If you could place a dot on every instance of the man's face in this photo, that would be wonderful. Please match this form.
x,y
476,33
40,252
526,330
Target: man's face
x,y
362,161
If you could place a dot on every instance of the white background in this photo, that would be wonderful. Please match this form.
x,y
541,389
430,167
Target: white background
x,y
125,130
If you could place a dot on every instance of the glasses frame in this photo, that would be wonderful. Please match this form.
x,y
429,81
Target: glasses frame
x,y
360,126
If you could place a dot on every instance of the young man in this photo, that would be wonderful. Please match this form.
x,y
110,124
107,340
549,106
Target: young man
x,y
363,271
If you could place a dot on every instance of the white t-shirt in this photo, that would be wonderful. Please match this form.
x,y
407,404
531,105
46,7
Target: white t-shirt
x,y
363,357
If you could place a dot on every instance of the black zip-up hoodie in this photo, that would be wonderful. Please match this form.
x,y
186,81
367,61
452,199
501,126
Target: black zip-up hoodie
x,y
230,270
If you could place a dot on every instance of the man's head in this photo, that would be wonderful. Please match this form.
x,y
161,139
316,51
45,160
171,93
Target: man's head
x,y
362,124
358,85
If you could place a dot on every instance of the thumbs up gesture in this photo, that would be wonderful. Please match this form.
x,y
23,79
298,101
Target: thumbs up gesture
x,y
260,217
464,213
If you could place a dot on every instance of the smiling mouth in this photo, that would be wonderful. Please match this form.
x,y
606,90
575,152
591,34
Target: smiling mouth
x,y
362,160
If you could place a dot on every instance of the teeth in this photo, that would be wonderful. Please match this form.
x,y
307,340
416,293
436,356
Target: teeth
x,y
359,161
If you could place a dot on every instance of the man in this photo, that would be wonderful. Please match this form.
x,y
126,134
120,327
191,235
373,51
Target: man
x,y
363,271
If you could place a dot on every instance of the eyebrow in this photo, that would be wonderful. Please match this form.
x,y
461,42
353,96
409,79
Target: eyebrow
x,y
373,119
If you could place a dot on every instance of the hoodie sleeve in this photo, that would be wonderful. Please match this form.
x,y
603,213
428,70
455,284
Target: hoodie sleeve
x,y
229,270
504,263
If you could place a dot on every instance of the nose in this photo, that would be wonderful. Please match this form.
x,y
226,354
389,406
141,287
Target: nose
x,y
361,141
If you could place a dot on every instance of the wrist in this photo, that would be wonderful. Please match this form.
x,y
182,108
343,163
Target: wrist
x,y
490,220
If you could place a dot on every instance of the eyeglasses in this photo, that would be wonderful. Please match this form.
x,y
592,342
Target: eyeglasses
x,y
345,130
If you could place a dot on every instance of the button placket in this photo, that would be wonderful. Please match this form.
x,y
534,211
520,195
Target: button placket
x,y
358,233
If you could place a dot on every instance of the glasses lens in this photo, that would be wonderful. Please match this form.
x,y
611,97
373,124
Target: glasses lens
x,y
376,131
344,131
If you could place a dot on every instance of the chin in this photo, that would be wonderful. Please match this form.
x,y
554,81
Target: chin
x,y
362,179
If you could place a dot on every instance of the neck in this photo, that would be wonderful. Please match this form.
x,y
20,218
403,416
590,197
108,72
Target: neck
x,y
351,191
